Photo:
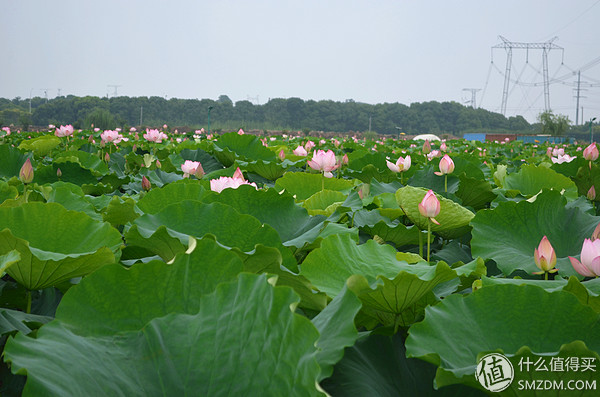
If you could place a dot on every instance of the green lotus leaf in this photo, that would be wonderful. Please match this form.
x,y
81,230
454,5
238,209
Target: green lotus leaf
x,y
292,222
157,199
324,202
12,321
302,185
511,232
474,192
55,244
85,159
396,232
395,301
453,218
182,354
388,206
498,317
146,290
40,146
72,198
427,178
8,259
71,172
11,161
231,145
270,170
339,257
377,366
336,328
120,211
209,163
370,171
531,179
193,218
7,192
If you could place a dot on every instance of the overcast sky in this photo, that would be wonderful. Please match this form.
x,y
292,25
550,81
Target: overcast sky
x,y
370,51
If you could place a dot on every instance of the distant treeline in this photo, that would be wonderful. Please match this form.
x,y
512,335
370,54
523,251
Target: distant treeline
x,y
277,114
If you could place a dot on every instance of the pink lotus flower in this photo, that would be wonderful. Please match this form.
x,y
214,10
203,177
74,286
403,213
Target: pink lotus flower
x,y
426,147
558,152
6,129
146,185
443,147
241,132
344,160
224,182
402,164
111,136
589,266
565,158
132,129
433,154
64,130
591,152
446,166
300,151
26,172
430,206
281,155
323,161
309,145
155,135
545,257
591,194
190,167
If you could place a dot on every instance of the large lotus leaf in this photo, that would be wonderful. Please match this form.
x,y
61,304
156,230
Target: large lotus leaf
x,y
336,328
396,301
71,172
377,366
427,178
11,161
474,192
7,192
231,146
339,257
157,199
193,218
388,206
244,340
40,146
146,290
370,171
396,232
453,218
531,179
270,170
302,185
85,159
498,317
120,211
72,198
12,321
8,259
55,244
324,202
292,222
511,232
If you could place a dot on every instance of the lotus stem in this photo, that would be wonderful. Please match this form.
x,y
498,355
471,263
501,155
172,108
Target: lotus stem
x,y
322,181
446,183
28,295
546,276
428,238
420,244
402,178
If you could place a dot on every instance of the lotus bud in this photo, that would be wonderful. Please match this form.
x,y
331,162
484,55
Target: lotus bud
x,y
107,157
345,159
446,165
26,173
426,147
545,257
430,206
146,184
158,164
238,174
281,155
591,152
596,233
591,194
58,173
199,172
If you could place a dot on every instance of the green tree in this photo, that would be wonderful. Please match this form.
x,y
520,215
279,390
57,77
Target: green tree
x,y
553,124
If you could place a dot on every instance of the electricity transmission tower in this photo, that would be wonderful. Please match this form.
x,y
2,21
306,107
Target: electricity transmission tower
x,y
115,87
473,95
545,47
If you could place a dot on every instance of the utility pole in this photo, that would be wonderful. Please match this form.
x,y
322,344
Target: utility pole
x,y
545,47
473,95
141,113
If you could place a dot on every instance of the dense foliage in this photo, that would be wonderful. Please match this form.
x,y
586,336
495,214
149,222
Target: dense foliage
x,y
276,114
143,263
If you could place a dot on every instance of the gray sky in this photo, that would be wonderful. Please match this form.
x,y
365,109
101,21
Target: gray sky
x,y
369,51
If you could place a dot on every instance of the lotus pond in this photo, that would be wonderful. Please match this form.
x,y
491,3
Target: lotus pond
x,y
158,263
